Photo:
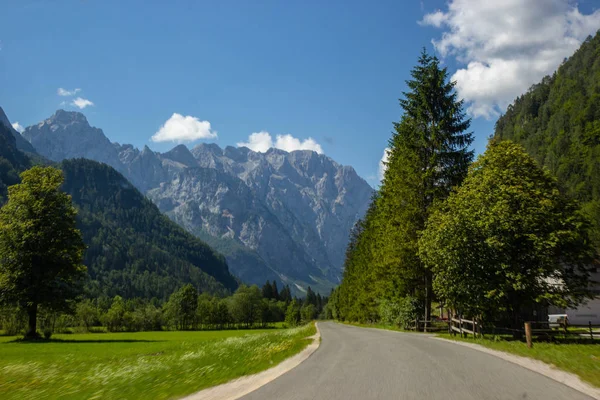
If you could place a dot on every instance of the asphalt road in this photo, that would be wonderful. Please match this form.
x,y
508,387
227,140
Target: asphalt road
x,y
360,363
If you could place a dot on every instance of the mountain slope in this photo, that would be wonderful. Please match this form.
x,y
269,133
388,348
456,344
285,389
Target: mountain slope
x,y
20,142
133,250
558,122
292,212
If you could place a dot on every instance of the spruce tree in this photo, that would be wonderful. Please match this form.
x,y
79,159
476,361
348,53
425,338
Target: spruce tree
x,y
429,156
275,291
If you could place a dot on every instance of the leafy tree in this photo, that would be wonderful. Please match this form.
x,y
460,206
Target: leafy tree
x,y
181,307
292,314
245,305
40,245
114,319
507,239
87,314
308,312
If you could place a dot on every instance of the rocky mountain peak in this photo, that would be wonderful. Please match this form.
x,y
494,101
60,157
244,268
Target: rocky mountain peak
x,y
62,117
182,155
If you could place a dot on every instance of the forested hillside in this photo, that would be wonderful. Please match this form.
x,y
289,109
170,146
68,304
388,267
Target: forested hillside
x,y
558,123
12,161
133,250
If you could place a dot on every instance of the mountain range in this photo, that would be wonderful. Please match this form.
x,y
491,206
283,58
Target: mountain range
x,y
274,215
133,250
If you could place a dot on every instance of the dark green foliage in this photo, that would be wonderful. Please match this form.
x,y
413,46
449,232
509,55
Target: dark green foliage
x,y
428,156
507,240
286,294
181,307
12,162
558,123
134,250
292,314
41,249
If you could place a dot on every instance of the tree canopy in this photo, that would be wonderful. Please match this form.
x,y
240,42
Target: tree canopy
x,y
507,239
40,246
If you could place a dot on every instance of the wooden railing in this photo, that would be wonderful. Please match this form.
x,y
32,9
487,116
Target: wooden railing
x,y
461,326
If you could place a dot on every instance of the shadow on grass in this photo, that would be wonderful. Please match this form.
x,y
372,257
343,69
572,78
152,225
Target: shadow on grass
x,y
42,341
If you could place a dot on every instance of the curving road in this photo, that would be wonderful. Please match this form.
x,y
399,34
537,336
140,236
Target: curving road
x,y
361,363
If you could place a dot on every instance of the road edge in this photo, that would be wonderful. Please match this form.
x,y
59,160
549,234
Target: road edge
x,y
566,378
239,387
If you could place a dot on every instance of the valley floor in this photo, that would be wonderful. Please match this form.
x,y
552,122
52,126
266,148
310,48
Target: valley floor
x,y
149,365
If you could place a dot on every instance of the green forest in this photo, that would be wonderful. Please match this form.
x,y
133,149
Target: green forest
x,y
498,238
558,123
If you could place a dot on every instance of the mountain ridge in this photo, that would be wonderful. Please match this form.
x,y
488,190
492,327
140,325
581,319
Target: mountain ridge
x,y
268,202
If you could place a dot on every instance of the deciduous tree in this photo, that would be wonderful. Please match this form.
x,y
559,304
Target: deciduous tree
x,y
40,246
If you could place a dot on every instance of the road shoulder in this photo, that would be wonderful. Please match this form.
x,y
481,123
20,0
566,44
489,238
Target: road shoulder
x,y
242,386
549,371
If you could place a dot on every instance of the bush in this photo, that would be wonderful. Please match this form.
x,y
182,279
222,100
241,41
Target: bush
x,y
12,321
401,312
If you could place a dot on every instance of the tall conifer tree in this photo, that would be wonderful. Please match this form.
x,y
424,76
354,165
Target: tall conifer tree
x,y
429,155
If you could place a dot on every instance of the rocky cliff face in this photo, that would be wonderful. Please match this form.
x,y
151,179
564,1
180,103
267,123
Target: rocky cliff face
x,y
290,213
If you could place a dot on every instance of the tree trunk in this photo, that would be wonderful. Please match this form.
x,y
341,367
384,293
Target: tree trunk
x,y
428,294
32,330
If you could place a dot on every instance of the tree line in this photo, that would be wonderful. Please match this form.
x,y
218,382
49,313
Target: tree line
x,y
43,277
186,309
496,238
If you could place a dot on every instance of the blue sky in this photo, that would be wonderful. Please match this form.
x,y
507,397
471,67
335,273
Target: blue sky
x,y
331,71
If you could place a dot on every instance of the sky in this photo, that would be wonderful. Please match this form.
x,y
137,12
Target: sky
x,y
319,75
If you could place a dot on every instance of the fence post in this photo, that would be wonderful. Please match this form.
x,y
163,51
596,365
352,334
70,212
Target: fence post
x,y
591,332
474,327
528,334
460,326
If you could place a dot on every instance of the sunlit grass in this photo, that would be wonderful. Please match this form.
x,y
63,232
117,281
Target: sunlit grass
x,y
149,365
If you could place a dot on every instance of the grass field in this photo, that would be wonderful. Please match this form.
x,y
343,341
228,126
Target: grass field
x,y
149,365
580,359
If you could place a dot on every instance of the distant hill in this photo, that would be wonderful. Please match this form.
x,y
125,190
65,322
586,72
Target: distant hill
x,y
558,122
275,215
133,249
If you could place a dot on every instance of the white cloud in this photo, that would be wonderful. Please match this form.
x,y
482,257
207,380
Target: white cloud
x,y
81,103
506,46
183,129
18,127
65,92
290,143
258,141
382,163
263,141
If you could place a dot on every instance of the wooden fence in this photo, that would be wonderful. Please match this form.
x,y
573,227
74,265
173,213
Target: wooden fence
x,y
461,326
555,329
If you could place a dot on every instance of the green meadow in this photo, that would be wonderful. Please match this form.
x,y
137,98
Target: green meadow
x,y
149,365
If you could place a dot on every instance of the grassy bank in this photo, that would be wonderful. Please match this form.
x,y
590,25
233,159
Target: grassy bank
x,y
151,365
580,359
